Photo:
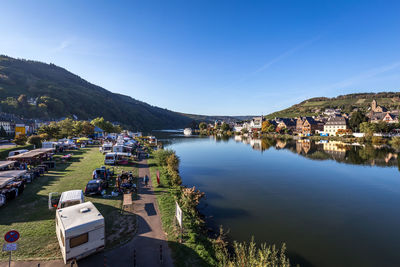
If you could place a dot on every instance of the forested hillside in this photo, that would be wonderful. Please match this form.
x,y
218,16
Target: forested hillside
x,y
38,90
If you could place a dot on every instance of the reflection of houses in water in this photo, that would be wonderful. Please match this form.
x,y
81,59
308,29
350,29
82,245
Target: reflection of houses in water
x,y
336,149
238,138
246,141
305,146
391,157
280,144
256,144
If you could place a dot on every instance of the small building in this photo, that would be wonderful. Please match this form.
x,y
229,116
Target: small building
x,y
334,124
391,118
286,123
256,123
8,126
310,126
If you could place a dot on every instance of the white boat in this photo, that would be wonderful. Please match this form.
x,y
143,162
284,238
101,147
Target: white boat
x,y
187,131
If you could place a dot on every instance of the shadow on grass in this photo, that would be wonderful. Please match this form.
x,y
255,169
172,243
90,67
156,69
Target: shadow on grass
x,y
30,206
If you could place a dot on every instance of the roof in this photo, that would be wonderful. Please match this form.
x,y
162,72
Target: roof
x,y
32,154
336,121
8,176
81,214
4,164
378,115
97,129
71,195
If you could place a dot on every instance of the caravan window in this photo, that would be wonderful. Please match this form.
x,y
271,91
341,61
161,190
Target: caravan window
x,y
78,240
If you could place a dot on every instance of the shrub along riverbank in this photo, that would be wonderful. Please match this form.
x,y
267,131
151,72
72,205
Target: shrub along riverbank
x,y
194,246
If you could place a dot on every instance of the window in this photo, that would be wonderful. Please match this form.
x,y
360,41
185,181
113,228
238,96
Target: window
x,y
78,240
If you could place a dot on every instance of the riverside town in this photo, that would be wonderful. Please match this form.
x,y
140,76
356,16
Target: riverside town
x,y
199,133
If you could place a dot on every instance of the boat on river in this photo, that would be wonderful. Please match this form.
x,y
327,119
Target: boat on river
x,y
187,131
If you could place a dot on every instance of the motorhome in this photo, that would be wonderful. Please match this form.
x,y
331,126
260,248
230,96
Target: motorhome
x,y
54,145
66,199
106,147
110,158
80,231
152,141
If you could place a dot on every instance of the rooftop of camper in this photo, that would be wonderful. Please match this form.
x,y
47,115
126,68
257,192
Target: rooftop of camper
x,y
81,214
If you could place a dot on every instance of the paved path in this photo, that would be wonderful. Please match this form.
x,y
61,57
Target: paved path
x,y
146,242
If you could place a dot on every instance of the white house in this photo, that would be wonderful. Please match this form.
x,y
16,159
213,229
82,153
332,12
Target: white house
x,y
334,124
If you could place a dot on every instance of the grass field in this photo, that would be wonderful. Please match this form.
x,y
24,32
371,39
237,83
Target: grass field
x,y
29,213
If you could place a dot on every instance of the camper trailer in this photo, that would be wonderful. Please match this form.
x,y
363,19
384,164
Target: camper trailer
x,y
17,152
66,199
80,231
106,147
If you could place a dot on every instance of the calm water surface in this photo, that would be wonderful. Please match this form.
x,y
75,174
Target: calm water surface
x,y
331,205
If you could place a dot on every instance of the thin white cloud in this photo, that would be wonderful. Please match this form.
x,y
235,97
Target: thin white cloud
x,y
274,61
64,45
285,55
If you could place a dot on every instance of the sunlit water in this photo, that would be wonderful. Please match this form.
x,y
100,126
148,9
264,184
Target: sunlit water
x,y
328,212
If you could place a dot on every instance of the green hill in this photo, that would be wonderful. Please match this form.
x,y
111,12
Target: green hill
x,y
347,103
60,93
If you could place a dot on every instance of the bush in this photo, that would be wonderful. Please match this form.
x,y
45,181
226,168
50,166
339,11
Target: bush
x,y
378,140
20,140
161,156
35,140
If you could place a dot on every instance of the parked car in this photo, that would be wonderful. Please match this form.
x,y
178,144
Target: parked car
x,y
94,187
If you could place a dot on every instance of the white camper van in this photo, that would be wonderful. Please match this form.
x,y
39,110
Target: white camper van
x,y
106,147
80,231
17,152
110,158
66,199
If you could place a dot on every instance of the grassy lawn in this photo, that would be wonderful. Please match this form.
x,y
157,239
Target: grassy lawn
x,y
30,215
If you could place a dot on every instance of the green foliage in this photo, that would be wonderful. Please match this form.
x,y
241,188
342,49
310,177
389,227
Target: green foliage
x,y
203,125
225,127
3,132
250,256
356,119
162,155
66,128
35,140
395,143
20,140
106,126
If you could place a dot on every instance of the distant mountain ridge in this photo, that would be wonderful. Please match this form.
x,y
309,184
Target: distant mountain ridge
x,y
34,89
347,103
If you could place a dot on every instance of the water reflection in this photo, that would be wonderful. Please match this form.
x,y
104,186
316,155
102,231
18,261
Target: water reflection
x,y
383,156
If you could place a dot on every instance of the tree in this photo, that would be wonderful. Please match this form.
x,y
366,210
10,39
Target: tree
x,y
202,126
265,126
3,132
368,128
52,130
87,128
20,140
357,117
35,140
225,127
106,126
66,127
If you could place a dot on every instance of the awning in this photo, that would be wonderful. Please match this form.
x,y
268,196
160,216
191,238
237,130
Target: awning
x,y
5,164
32,154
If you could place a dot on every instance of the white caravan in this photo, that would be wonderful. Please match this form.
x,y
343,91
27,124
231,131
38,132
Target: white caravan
x,y
67,199
106,147
80,231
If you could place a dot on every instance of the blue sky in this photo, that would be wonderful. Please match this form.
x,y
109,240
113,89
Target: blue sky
x,y
213,57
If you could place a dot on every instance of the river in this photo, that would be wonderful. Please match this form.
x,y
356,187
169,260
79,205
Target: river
x,y
332,204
